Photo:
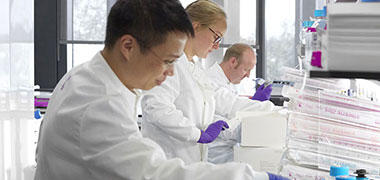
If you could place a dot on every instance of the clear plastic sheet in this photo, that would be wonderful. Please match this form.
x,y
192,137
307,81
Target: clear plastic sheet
x,y
326,128
335,151
325,161
301,80
329,131
331,98
303,103
296,172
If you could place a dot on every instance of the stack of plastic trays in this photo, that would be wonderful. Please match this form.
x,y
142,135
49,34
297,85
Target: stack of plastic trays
x,y
300,80
326,128
353,33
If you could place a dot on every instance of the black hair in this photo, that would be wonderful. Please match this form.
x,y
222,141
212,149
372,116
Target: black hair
x,y
148,21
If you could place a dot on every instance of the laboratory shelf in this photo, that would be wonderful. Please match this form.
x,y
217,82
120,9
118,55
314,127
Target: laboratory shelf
x,y
344,74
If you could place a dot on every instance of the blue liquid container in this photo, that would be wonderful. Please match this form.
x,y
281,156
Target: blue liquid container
x,y
345,178
336,171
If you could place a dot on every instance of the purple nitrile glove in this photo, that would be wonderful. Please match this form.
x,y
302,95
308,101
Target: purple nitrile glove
x,y
212,131
262,94
276,177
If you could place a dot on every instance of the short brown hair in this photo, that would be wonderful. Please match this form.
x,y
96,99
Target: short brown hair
x,y
236,50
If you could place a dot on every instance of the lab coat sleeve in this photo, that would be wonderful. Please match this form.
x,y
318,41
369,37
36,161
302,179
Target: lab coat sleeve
x,y
228,104
233,134
112,147
159,109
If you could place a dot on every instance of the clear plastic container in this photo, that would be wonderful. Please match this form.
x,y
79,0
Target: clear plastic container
x,y
311,44
326,128
333,98
324,161
360,118
300,79
305,44
296,172
320,8
320,4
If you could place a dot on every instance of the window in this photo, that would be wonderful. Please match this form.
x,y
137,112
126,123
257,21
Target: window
x,y
88,19
80,26
280,37
241,27
85,32
80,53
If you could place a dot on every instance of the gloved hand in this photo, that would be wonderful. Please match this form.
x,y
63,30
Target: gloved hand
x,y
212,131
262,94
276,177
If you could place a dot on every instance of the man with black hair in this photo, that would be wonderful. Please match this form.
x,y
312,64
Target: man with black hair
x,y
89,131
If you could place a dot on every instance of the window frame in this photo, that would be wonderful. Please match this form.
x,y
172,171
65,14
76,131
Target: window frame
x,y
51,50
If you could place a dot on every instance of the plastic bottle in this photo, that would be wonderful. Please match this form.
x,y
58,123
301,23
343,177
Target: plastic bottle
x,y
320,13
305,51
37,114
313,48
320,26
320,8
336,171
361,174
345,178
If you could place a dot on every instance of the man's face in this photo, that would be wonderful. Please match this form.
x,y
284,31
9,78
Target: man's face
x,y
157,63
242,70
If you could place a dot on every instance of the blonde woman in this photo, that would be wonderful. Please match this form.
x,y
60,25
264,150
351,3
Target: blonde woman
x,y
179,114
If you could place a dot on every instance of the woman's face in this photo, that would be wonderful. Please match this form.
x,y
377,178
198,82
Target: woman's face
x,y
206,38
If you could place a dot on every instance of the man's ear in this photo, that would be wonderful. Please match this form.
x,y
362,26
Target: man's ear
x,y
128,45
233,62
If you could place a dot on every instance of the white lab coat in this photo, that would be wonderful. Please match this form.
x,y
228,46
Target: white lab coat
x,y
90,133
221,150
217,77
174,112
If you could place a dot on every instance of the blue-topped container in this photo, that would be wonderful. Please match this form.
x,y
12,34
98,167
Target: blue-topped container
x,y
361,174
320,8
37,114
307,24
345,178
320,13
339,171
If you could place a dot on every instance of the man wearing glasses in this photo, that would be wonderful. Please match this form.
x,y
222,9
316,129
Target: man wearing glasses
x,y
90,131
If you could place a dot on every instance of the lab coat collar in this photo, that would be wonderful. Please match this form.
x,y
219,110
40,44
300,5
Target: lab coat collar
x,y
112,78
184,61
197,72
221,74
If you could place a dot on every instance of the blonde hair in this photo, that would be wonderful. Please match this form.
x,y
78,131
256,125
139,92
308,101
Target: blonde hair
x,y
205,12
236,50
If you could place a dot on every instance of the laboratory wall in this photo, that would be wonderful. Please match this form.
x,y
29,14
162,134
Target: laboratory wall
x,y
17,137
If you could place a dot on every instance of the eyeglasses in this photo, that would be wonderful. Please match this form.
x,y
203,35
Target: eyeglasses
x,y
166,63
218,38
